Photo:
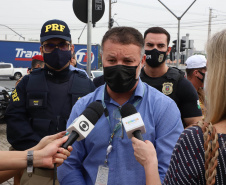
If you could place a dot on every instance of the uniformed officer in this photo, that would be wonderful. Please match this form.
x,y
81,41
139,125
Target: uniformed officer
x,y
195,70
168,80
42,101
73,64
36,62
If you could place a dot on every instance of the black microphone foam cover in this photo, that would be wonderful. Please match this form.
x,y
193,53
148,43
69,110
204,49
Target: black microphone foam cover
x,y
127,110
93,112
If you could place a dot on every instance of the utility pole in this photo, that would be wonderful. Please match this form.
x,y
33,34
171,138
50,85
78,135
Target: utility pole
x,y
89,31
210,22
178,34
209,26
109,21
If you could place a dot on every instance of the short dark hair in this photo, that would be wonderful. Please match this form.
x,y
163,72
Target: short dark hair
x,y
35,62
158,30
189,72
124,35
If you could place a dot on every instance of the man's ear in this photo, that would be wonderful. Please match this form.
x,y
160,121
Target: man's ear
x,y
143,60
72,47
168,50
195,72
41,50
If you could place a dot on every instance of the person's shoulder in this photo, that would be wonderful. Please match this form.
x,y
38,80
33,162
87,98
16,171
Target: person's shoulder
x,y
192,133
186,86
175,73
23,80
91,97
98,81
37,71
80,73
176,70
99,78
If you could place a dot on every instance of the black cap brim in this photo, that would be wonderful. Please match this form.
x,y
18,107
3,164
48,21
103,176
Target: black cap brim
x,y
43,39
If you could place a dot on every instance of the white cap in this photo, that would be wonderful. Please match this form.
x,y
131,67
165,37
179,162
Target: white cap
x,y
196,61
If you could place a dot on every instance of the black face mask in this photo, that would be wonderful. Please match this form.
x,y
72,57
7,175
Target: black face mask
x,y
203,75
154,57
57,59
120,78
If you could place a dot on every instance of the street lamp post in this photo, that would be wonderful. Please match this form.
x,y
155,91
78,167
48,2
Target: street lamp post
x,y
178,33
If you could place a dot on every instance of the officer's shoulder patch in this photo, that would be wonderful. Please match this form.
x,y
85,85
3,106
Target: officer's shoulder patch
x,y
167,88
15,96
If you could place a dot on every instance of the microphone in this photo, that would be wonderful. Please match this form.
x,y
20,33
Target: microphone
x,y
132,122
84,124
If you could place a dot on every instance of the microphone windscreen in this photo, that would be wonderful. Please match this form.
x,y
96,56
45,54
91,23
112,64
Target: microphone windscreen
x,y
127,110
93,112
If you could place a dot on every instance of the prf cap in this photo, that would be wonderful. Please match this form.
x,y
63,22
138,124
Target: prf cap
x,y
55,29
196,61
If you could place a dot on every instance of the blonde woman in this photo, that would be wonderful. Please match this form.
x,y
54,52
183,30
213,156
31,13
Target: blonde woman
x,y
198,157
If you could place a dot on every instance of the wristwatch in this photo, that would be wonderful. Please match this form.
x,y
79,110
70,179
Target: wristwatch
x,y
30,162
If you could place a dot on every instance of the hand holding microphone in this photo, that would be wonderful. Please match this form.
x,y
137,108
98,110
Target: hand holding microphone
x,y
132,121
84,124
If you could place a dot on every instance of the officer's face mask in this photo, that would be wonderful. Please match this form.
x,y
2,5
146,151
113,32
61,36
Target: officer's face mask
x,y
121,78
57,59
154,57
203,76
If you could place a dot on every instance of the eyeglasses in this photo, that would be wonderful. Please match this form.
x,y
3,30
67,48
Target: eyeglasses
x,y
63,46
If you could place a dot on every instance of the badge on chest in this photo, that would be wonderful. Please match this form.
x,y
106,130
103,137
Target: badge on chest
x,y
167,88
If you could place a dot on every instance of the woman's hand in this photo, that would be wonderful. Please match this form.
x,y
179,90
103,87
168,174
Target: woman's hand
x,y
52,153
144,152
48,139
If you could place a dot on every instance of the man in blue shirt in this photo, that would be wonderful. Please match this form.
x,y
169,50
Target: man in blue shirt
x,y
73,63
123,57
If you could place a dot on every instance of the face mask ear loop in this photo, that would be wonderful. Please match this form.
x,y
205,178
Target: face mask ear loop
x,y
139,71
203,76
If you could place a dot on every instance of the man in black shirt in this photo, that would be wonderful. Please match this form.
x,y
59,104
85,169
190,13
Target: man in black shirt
x,y
169,81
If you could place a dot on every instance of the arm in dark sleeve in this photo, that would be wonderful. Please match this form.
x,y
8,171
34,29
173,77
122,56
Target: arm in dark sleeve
x,y
92,86
19,131
189,100
98,81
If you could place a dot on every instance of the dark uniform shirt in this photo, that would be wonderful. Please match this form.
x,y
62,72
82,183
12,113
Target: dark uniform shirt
x,y
98,81
174,85
44,109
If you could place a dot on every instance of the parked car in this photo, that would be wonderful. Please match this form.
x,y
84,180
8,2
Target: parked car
x,y
7,70
96,73
4,101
